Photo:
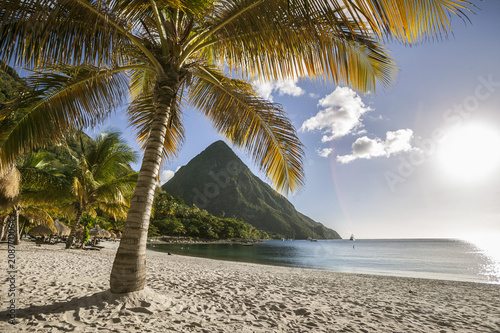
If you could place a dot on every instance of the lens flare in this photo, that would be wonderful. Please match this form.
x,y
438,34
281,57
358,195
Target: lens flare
x,y
470,153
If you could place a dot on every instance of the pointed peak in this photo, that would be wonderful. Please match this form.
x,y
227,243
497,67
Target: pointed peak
x,y
216,155
220,150
218,144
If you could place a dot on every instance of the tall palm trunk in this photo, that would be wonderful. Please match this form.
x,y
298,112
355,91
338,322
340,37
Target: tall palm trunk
x,y
74,228
129,268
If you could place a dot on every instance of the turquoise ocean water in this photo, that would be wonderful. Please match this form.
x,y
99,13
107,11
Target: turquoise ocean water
x,y
444,259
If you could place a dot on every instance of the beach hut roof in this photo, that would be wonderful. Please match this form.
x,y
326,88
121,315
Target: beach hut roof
x,y
40,230
62,229
99,232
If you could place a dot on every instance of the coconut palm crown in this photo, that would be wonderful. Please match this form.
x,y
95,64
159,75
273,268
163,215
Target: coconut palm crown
x,y
101,179
169,54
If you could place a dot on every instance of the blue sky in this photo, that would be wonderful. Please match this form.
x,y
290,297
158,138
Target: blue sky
x,y
418,160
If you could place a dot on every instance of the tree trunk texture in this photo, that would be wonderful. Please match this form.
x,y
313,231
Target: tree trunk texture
x,y
4,227
129,268
22,230
17,240
74,229
83,237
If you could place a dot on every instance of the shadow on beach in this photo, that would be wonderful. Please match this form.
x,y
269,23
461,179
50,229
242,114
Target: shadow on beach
x,y
123,304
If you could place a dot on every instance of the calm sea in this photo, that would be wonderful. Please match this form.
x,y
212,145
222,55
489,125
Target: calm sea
x,y
443,259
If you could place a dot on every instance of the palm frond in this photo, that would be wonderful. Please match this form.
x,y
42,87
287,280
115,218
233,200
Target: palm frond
x,y
55,103
33,32
307,38
109,157
141,114
38,215
40,172
260,127
117,190
279,44
408,21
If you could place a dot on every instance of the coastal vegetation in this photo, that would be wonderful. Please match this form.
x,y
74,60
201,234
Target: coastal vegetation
x,y
174,218
78,177
85,56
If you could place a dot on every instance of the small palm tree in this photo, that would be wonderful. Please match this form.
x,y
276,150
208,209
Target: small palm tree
x,y
101,178
170,53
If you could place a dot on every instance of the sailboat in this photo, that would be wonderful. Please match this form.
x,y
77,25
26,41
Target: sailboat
x,y
314,237
352,237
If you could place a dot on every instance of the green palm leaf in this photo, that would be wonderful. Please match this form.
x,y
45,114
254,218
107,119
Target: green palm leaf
x,y
141,114
54,103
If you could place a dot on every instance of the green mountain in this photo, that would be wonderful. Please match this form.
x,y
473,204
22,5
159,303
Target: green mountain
x,y
218,181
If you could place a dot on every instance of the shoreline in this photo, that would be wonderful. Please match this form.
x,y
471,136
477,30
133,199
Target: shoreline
x,y
188,241
60,290
252,256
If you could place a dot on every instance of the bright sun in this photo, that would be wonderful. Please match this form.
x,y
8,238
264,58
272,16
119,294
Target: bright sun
x,y
470,153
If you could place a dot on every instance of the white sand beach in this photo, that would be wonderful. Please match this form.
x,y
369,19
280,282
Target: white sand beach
x,y
66,291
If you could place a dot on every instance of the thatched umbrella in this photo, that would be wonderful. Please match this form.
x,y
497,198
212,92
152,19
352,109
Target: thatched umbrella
x,y
99,232
9,187
40,230
62,229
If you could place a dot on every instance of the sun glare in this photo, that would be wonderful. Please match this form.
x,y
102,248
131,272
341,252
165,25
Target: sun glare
x,y
470,153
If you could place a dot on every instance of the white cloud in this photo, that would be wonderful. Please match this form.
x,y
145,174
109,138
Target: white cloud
x,y
283,87
265,89
289,87
398,141
340,116
325,152
363,131
364,147
166,175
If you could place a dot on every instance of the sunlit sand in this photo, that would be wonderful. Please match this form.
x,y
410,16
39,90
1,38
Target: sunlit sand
x,y
66,290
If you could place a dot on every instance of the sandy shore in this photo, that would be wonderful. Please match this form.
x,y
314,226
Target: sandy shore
x,y
66,291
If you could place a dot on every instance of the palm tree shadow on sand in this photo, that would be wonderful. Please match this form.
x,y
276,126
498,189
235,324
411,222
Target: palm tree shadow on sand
x,y
86,310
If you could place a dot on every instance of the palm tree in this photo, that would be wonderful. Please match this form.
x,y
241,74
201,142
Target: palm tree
x,y
171,53
101,179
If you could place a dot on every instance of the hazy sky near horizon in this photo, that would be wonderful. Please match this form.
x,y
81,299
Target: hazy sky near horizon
x,y
421,159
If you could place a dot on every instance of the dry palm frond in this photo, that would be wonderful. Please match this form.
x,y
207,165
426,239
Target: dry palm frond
x,y
10,180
